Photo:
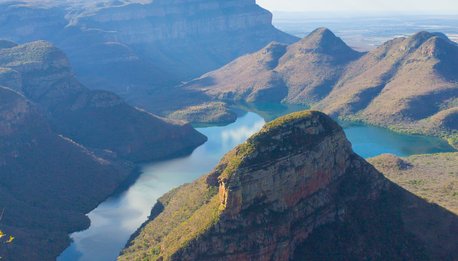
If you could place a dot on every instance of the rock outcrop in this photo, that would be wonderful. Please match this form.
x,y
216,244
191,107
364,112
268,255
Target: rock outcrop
x,y
407,84
96,119
131,46
293,191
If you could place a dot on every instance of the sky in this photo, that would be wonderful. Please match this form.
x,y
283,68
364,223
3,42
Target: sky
x,y
385,6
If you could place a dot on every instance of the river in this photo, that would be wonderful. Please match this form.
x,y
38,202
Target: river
x,y
114,220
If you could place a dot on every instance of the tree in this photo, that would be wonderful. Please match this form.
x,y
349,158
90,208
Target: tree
x,y
4,238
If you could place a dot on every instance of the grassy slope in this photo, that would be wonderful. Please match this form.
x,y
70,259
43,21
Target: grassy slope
x,y
192,209
432,177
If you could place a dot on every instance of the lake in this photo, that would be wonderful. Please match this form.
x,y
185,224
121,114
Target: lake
x,y
113,221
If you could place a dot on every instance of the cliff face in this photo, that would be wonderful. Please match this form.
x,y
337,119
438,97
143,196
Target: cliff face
x,y
47,182
128,47
173,20
96,119
293,191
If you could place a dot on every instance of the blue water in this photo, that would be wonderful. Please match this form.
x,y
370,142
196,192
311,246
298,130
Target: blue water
x,y
370,141
117,218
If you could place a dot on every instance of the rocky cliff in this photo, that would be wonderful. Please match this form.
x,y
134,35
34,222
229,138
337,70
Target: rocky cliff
x,y
293,191
133,46
96,119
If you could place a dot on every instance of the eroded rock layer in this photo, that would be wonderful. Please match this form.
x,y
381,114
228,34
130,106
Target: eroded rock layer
x,y
293,191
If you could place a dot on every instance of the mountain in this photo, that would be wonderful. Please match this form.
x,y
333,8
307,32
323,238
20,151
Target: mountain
x,y
303,72
136,47
96,119
47,182
407,84
293,191
65,148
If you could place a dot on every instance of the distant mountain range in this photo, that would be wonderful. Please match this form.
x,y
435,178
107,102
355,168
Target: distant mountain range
x,y
135,48
408,84
294,191
79,84
65,148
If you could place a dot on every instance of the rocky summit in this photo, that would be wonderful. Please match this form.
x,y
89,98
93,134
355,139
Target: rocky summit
x,y
293,191
303,72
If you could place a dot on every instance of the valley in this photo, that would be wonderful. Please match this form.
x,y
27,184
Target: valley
x,y
200,222
123,213
65,148
196,130
407,84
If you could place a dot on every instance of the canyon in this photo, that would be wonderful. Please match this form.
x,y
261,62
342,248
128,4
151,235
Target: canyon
x,y
295,187
139,48
96,104
65,148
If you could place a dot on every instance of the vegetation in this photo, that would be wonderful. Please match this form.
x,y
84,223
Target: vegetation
x,y
287,119
235,158
190,211
4,238
207,113
426,127
432,177
406,84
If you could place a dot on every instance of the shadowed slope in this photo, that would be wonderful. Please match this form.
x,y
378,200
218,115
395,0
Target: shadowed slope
x,y
47,182
97,119
279,194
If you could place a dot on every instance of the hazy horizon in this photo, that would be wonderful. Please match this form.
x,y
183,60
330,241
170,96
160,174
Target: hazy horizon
x,y
449,7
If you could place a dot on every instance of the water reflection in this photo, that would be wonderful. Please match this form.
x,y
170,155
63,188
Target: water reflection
x,y
118,217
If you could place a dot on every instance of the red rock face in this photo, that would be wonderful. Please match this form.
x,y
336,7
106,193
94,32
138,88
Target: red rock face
x,y
274,201
316,182
294,191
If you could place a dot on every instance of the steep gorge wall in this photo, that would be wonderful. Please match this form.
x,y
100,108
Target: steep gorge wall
x,y
294,178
